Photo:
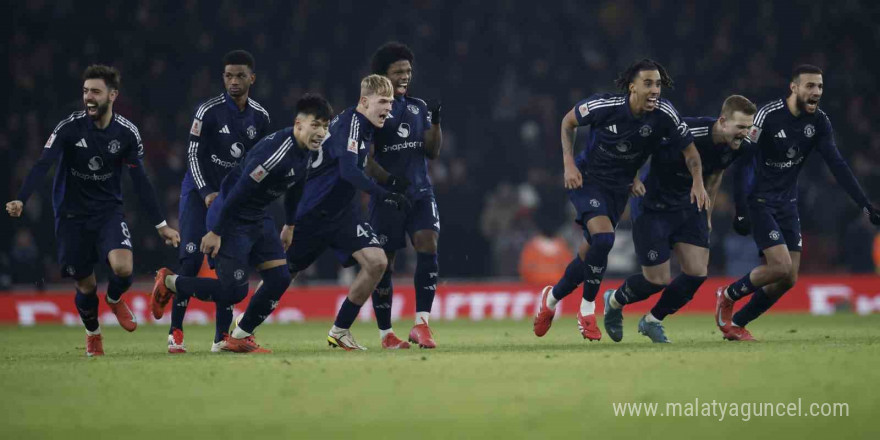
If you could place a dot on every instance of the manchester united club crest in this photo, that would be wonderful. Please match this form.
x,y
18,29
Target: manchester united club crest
x,y
645,131
809,130
252,132
413,109
113,146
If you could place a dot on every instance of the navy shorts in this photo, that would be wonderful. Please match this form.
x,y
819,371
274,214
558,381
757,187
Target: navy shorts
x,y
392,225
86,240
245,244
592,200
773,225
314,233
192,213
656,232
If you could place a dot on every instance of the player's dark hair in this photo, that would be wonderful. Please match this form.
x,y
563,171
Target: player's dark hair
x,y
388,54
805,68
315,105
629,75
738,103
239,58
110,75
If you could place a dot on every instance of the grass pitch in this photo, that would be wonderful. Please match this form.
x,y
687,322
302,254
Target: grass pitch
x,y
491,379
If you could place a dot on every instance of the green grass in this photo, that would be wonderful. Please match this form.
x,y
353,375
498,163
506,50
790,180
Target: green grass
x,y
491,379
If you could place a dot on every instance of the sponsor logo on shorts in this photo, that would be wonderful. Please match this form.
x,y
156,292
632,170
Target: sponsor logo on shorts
x,y
652,255
238,274
594,203
774,235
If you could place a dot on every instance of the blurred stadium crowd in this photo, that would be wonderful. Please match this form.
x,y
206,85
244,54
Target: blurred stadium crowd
x,y
506,72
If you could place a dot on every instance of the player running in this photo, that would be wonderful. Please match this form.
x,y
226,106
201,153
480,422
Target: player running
x,y
329,215
626,128
241,233
664,219
410,136
786,131
224,129
93,146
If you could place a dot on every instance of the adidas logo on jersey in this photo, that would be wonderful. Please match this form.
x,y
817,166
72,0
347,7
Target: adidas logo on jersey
x,y
126,242
225,129
780,135
612,128
291,173
82,143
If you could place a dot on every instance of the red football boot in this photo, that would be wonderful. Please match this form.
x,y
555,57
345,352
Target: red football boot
x,y
587,326
723,310
244,345
161,295
421,334
126,319
392,342
175,342
544,316
735,333
94,345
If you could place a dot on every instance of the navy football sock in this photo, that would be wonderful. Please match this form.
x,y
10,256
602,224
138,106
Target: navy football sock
x,y
347,314
636,288
382,301
573,276
679,292
87,306
741,288
201,288
757,305
222,320
265,299
189,267
427,270
117,285
595,262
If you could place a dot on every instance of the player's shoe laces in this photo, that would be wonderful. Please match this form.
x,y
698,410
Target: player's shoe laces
x,y
723,310
126,319
653,330
588,327
217,347
175,342
735,333
392,342
344,341
244,345
613,318
544,316
421,334
94,345
161,295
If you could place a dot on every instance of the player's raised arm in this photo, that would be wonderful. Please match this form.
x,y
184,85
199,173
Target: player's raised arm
x,y
842,172
573,177
51,152
145,191
434,135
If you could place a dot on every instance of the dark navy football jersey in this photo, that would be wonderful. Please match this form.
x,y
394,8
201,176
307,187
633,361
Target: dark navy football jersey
x,y
276,166
619,143
784,142
668,183
220,137
400,144
88,176
337,171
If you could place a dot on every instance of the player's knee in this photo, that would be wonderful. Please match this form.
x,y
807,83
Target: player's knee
x,y
602,242
276,280
660,279
236,293
780,270
87,284
425,242
122,270
375,264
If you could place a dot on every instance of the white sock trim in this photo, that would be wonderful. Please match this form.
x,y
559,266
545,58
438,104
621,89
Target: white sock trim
x,y
383,333
422,317
96,332
551,300
169,283
613,302
238,333
650,318
587,307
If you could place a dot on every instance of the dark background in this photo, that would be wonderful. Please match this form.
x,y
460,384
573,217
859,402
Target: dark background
x,y
506,71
